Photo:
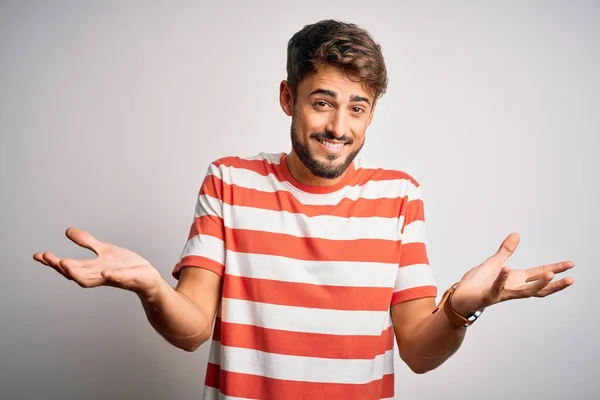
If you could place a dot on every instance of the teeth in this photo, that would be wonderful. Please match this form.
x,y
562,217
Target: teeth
x,y
332,145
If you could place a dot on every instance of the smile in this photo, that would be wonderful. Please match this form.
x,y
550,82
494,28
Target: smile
x,y
332,147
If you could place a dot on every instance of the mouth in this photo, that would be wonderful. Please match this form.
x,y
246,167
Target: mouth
x,y
331,146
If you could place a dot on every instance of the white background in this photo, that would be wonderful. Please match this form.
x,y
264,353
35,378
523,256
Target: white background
x,y
111,111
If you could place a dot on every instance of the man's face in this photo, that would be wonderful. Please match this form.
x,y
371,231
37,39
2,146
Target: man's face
x,y
330,116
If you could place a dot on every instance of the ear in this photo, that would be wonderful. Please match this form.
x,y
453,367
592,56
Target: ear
x,y
286,98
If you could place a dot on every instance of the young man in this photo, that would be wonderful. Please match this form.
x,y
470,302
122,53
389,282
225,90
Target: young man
x,y
309,264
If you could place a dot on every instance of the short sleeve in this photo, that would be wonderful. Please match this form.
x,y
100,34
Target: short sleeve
x,y
205,246
414,278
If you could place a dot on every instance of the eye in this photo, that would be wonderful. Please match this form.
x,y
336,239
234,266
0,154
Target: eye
x,y
358,110
320,104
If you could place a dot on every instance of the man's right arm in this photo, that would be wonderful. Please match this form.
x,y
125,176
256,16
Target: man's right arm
x,y
184,315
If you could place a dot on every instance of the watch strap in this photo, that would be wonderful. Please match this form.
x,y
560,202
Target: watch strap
x,y
455,318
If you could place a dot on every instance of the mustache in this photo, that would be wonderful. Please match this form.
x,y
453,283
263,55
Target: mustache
x,y
331,137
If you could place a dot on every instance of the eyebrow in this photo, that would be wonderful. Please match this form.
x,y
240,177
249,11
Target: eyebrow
x,y
332,94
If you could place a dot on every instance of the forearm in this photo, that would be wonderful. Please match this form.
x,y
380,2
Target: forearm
x,y
431,342
176,318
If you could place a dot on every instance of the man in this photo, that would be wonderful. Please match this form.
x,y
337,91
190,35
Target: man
x,y
309,264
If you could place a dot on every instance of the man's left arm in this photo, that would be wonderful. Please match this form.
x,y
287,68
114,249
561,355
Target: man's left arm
x,y
426,339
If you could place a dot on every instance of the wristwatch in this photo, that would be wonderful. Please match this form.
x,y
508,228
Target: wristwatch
x,y
457,319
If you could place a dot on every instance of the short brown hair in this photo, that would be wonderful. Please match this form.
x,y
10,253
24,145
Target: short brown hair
x,y
342,45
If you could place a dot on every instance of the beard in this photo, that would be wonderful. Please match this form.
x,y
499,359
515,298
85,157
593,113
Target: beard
x,y
329,169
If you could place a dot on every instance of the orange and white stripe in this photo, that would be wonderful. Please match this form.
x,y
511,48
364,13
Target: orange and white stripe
x,y
308,277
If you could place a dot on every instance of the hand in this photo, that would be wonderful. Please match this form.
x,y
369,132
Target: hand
x,y
113,266
493,282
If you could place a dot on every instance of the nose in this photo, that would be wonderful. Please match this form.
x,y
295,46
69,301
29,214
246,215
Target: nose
x,y
338,124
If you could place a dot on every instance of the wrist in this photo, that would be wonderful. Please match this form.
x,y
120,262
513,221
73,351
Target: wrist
x,y
458,306
462,305
154,293
456,309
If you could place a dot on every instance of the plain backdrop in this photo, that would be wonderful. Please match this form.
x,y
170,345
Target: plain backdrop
x,y
111,111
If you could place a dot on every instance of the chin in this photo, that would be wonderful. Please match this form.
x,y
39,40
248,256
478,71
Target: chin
x,y
324,166
328,160
321,161
333,159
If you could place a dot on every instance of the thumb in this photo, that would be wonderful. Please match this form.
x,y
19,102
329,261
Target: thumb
x,y
498,285
507,248
83,239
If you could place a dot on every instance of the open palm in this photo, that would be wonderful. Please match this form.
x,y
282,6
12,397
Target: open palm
x,y
493,282
113,266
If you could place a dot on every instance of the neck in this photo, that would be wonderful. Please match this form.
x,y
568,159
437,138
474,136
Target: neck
x,y
303,175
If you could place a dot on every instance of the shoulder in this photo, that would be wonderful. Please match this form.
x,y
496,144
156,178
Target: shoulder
x,y
262,163
382,175
385,183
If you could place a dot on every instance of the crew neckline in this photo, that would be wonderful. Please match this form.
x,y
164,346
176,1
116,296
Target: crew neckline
x,y
350,173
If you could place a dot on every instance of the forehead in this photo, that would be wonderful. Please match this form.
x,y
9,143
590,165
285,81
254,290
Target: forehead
x,y
331,78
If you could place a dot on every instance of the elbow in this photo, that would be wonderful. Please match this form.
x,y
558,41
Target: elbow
x,y
420,369
423,364
191,345
418,365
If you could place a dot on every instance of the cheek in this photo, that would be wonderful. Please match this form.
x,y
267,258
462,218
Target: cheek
x,y
301,132
358,142
359,129
313,121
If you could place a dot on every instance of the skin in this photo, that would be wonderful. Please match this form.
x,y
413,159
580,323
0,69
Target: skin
x,y
328,105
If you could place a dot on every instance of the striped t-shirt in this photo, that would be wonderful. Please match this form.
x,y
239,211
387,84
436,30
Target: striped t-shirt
x,y
309,275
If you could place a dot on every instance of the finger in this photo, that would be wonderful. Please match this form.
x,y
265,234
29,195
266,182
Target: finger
x,y
555,287
73,263
86,276
54,262
84,239
531,289
498,285
71,266
51,259
507,248
556,268
39,257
